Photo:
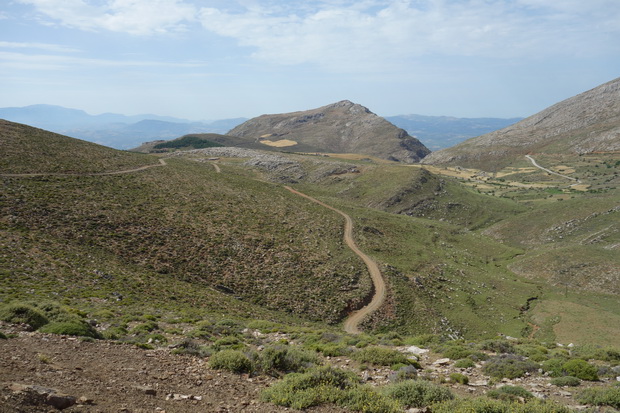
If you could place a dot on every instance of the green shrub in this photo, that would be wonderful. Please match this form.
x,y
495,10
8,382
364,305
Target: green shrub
x,y
417,393
228,342
263,326
580,369
456,352
3,336
478,356
202,330
191,347
327,343
23,313
497,346
157,338
226,327
554,367
533,352
404,373
459,378
366,399
114,333
70,328
231,360
485,405
510,393
382,356
279,358
601,396
315,387
464,363
566,381
422,340
508,366
145,328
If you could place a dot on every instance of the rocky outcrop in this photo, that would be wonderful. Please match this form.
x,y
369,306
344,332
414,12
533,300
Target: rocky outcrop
x,y
342,127
586,123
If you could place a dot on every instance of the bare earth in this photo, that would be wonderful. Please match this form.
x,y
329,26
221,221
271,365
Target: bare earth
x,y
112,377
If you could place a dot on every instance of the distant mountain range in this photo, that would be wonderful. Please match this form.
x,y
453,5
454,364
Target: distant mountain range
x,y
438,132
586,123
111,129
125,132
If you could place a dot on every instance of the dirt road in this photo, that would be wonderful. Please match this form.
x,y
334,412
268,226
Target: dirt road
x,y
549,170
162,162
351,324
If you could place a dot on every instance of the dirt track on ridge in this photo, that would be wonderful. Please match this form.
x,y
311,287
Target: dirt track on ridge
x,y
351,324
162,162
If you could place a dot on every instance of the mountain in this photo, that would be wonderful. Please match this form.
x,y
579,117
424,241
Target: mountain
x,y
586,123
439,132
110,129
342,127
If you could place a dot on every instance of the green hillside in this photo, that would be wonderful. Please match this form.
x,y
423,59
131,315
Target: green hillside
x,y
80,235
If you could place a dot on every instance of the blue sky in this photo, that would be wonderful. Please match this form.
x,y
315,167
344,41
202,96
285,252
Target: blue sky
x,y
216,59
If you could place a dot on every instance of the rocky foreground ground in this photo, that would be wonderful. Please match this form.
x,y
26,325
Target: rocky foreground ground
x,y
46,373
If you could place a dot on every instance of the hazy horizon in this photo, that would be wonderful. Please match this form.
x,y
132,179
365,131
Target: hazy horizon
x,y
227,59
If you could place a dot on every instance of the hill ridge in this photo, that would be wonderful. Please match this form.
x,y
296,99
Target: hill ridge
x,y
586,123
340,127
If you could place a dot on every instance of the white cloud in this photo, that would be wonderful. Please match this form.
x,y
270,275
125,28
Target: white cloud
x,y
364,35
136,17
372,34
45,62
41,46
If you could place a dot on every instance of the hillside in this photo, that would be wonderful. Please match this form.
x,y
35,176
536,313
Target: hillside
x,y
342,127
583,124
199,279
177,224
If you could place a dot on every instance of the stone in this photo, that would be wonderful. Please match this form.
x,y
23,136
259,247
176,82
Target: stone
x,y
60,401
147,390
416,350
86,400
442,362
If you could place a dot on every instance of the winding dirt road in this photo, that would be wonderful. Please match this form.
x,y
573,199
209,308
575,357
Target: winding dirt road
x,y
162,162
549,170
351,324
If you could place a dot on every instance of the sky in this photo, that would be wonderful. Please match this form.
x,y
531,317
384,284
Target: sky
x,y
218,59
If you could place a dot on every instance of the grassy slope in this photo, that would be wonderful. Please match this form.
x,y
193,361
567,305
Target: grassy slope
x,y
30,150
442,277
181,228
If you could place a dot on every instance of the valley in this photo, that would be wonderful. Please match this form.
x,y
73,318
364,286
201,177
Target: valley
x,y
239,271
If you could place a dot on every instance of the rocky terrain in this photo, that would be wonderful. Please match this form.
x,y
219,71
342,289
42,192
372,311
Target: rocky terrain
x,y
342,127
586,123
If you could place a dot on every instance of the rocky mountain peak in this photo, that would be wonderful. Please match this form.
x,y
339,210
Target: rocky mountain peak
x,y
341,127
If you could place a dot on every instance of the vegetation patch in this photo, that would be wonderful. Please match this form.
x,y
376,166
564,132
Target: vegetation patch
x,y
508,366
328,385
23,313
486,405
382,356
601,396
70,328
566,381
580,369
231,360
278,358
510,393
417,393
